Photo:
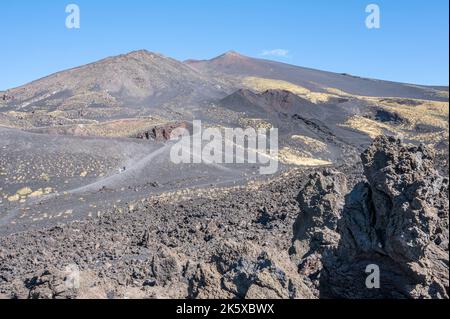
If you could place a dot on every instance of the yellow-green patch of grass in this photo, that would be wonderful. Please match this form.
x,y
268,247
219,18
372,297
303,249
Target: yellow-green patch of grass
x,y
431,113
311,142
368,126
255,123
264,84
293,157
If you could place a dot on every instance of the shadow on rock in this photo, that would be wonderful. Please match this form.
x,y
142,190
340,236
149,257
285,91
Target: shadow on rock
x,y
395,222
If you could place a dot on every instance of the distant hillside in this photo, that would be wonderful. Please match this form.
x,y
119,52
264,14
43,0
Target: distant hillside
x,y
232,63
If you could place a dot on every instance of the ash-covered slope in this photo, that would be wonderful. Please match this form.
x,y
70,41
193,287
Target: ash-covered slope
x,y
235,64
268,102
145,79
292,115
140,78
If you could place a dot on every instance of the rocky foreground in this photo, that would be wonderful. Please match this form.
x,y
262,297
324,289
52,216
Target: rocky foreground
x,y
303,235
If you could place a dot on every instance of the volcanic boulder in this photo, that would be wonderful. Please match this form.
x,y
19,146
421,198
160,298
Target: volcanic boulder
x,y
398,221
315,229
244,270
51,284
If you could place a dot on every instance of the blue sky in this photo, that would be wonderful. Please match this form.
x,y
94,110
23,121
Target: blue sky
x,y
411,45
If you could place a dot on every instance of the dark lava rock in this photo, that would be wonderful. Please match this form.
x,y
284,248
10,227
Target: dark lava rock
x,y
298,236
51,284
398,221
321,202
386,116
165,266
162,133
246,271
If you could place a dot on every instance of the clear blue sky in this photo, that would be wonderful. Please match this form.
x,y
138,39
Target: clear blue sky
x,y
411,46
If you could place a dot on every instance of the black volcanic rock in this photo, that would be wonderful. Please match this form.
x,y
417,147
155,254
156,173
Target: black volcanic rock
x,y
315,229
398,221
386,116
404,184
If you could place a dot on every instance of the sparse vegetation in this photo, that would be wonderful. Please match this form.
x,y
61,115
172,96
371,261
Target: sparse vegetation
x,y
311,142
294,157
370,127
262,84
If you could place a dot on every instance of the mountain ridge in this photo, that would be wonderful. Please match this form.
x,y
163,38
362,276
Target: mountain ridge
x,y
137,78
235,64
223,64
